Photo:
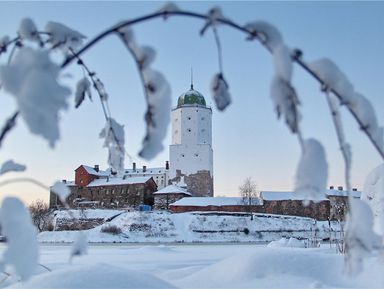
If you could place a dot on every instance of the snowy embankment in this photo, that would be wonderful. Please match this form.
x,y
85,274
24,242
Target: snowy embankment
x,y
196,227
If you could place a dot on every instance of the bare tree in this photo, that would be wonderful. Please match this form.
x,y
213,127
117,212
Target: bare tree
x,y
250,195
40,215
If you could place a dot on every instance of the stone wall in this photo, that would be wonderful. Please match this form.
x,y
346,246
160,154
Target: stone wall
x,y
319,211
108,197
199,184
162,201
63,224
339,207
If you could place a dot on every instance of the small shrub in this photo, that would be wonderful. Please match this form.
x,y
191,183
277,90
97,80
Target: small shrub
x,y
111,229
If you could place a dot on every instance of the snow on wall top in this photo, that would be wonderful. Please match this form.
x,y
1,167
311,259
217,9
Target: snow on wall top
x,y
172,189
279,196
118,181
355,194
208,201
88,213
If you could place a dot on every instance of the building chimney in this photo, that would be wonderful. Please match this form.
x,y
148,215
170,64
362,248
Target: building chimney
x,y
354,189
144,169
167,165
134,166
64,181
96,168
340,188
331,187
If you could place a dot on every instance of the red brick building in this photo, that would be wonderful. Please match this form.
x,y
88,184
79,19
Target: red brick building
x,y
101,189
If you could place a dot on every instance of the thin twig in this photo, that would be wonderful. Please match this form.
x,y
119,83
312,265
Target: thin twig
x,y
9,124
24,180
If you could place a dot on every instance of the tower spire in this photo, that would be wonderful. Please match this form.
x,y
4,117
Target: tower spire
x,y
191,78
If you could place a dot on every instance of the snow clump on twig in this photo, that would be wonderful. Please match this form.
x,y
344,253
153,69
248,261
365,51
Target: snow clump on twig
x,y
32,79
114,140
61,190
360,238
312,172
83,88
63,36
11,166
266,32
220,92
22,248
334,79
28,30
157,116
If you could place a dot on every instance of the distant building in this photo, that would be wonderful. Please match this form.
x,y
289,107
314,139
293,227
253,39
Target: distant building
x,y
102,189
168,195
333,205
191,154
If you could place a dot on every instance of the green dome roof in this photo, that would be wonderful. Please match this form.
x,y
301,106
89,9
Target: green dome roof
x,y
191,97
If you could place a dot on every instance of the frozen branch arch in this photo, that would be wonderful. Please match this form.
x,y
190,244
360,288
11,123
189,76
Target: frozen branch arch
x,y
331,80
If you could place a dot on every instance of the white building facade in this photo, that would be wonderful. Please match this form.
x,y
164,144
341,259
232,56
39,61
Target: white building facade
x,y
191,153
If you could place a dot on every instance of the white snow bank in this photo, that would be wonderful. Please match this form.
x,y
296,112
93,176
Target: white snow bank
x,y
291,242
95,276
88,213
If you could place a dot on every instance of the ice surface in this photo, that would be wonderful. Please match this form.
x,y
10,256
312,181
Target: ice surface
x,y
32,79
22,249
11,166
312,171
99,275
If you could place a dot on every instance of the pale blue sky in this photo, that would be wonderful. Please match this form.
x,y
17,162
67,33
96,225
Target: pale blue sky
x,y
247,138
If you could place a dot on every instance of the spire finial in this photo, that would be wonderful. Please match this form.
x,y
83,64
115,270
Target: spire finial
x,y
191,78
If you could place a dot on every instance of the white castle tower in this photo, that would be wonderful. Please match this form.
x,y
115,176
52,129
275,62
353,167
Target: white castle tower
x,y
191,153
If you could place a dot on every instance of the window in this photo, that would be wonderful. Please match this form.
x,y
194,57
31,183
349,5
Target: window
x,y
203,130
189,130
196,155
202,118
189,118
182,155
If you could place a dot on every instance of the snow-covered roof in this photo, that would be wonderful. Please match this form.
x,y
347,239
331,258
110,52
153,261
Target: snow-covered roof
x,y
280,196
114,181
208,201
148,171
172,189
92,171
355,194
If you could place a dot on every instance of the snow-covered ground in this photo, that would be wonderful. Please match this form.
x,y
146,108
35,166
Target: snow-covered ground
x,y
198,266
195,227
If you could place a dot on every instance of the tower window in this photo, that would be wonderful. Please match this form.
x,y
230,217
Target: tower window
x,y
182,155
189,118
203,118
196,155
203,130
189,130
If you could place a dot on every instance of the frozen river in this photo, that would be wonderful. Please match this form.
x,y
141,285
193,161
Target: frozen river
x,y
198,266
